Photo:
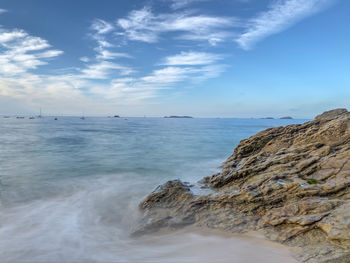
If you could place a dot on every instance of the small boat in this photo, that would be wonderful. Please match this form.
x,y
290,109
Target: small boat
x,y
55,119
19,117
83,118
31,118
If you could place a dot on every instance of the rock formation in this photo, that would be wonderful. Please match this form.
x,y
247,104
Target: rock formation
x,y
290,182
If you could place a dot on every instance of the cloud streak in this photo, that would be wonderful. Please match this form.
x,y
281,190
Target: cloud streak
x,y
281,15
191,58
103,69
178,4
145,26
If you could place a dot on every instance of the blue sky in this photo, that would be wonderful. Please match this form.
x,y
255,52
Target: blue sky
x,y
206,58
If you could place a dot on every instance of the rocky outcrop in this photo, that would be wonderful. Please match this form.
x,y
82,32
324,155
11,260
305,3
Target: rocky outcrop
x,y
290,182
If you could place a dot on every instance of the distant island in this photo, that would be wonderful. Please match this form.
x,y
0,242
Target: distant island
x,y
282,118
179,117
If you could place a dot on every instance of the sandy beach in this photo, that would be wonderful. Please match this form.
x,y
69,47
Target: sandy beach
x,y
209,246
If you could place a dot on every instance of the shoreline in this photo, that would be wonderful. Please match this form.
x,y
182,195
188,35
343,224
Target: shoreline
x,y
221,246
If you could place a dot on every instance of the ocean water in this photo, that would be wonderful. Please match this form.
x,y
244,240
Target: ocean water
x,y
69,189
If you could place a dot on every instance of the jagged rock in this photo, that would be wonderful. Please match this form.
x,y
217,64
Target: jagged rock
x,y
290,182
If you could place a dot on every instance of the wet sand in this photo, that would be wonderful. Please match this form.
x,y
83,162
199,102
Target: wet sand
x,y
210,246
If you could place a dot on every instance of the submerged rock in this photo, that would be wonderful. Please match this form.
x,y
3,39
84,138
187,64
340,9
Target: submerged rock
x,y
290,182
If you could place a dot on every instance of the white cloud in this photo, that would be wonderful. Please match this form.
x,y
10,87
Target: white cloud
x,y
169,75
281,15
100,30
103,69
126,90
49,53
16,39
210,72
84,59
51,92
103,78
192,58
101,26
7,36
130,90
213,37
22,52
177,4
143,25
3,11
108,55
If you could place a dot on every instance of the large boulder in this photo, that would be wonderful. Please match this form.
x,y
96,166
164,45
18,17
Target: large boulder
x,y
290,182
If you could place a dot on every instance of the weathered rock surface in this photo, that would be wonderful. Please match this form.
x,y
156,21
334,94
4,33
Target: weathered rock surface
x,y
290,182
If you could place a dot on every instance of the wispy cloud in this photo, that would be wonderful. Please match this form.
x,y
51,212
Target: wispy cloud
x,y
213,38
102,78
3,11
192,58
108,55
177,4
102,66
127,90
101,26
131,90
103,70
84,59
22,52
169,75
192,67
143,25
281,15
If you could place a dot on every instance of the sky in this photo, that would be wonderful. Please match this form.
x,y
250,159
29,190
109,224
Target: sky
x,y
204,58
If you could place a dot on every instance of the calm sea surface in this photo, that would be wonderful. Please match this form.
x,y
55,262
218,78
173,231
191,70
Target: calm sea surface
x,y
69,189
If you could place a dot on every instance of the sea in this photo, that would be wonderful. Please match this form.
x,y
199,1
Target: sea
x,y
70,188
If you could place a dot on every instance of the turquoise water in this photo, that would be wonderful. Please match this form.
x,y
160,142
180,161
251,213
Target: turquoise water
x,y
69,188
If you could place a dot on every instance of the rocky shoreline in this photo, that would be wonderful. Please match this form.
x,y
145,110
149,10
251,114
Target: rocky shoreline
x,y
292,183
